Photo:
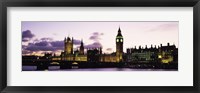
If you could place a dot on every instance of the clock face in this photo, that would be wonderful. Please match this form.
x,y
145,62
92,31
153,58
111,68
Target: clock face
x,y
117,40
121,40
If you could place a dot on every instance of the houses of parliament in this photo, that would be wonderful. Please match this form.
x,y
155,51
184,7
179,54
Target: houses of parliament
x,y
163,54
93,54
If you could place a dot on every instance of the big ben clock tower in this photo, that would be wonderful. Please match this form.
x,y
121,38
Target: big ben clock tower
x,y
119,46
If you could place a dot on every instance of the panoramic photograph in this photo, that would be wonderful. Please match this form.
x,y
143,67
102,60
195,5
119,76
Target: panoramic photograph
x,y
100,45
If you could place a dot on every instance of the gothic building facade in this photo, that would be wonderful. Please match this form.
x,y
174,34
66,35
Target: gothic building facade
x,y
92,55
163,54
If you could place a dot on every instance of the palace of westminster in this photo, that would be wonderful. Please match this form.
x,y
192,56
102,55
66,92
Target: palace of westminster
x,y
164,54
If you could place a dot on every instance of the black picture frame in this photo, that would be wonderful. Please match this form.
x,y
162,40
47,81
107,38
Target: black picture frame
x,y
100,3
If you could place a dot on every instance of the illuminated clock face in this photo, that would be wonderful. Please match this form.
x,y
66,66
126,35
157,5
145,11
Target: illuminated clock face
x,y
121,40
117,40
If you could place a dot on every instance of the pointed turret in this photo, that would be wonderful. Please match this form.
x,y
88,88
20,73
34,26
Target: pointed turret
x,y
72,40
65,39
81,47
81,42
68,39
119,32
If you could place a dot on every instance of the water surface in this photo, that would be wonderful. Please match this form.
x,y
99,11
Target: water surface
x,y
57,68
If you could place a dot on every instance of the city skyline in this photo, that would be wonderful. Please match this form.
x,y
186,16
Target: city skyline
x,y
39,37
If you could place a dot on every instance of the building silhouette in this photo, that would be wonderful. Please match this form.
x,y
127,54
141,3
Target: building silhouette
x,y
82,48
157,57
163,54
68,48
119,46
69,54
93,54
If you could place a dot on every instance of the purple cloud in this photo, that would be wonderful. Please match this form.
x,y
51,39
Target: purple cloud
x,y
40,48
46,39
42,43
96,36
76,42
97,33
94,45
23,46
57,43
36,40
27,35
47,44
25,39
26,52
165,27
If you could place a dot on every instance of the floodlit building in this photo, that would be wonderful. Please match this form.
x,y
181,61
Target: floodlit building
x,y
119,46
164,54
93,54
69,54
168,53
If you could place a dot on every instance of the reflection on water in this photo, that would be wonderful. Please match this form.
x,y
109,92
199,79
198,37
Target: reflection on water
x,y
57,68
29,68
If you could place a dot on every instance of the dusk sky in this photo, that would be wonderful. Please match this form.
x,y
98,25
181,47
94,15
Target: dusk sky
x,y
39,37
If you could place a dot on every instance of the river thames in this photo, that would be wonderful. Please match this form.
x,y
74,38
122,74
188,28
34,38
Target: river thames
x,y
57,68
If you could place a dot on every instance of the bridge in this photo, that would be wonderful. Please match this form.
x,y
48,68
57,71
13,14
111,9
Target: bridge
x,y
44,64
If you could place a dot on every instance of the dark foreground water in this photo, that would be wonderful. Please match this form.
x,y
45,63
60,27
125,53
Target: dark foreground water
x,y
57,68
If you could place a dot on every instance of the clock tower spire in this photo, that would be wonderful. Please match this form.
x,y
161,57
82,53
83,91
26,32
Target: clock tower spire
x,y
119,46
